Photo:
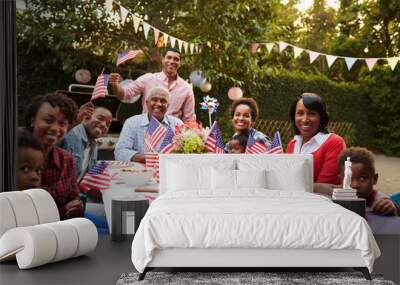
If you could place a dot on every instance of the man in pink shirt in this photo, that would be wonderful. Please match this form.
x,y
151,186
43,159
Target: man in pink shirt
x,y
182,97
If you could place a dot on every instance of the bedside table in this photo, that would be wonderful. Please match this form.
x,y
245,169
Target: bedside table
x,y
356,205
126,214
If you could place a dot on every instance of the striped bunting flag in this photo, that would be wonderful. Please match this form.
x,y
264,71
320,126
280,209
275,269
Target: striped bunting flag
x,y
276,145
96,178
127,55
254,146
101,86
214,142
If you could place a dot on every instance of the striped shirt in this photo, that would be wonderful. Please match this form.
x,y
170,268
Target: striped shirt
x,y
131,139
59,178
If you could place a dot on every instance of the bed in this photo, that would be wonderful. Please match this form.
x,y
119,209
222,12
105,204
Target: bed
x,y
247,211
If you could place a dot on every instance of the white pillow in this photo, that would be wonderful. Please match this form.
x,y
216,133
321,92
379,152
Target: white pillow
x,y
191,176
282,173
184,177
278,179
251,178
223,179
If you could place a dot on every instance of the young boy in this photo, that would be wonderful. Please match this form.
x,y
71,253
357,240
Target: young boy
x,y
238,143
80,141
364,178
30,161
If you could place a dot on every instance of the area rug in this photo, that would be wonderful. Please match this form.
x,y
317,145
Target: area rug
x,y
228,278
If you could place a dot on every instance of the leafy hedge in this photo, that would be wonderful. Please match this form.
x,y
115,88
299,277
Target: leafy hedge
x,y
383,91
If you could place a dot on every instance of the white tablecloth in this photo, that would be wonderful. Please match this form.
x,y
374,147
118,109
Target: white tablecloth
x,y
118,189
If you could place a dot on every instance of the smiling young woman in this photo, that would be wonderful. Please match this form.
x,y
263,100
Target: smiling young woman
x,y
48,118
244,114
310,119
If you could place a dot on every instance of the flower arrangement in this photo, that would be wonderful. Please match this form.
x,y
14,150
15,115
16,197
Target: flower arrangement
x,y
189,138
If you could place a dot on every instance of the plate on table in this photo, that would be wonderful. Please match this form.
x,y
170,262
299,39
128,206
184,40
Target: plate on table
x,y
115,164
136,176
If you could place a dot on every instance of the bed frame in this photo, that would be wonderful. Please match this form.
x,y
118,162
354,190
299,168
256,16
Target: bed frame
x,y
242,259
245,258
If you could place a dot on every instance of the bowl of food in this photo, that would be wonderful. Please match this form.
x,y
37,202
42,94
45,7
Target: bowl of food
x,y
135,176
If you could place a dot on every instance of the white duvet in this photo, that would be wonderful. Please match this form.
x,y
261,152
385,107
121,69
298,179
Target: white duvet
x,y
256,218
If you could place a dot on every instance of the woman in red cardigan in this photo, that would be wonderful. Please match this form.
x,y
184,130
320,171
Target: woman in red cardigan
x,y
309,120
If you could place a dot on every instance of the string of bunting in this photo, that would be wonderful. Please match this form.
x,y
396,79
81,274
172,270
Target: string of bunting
x,y
330,59
185,46
165,39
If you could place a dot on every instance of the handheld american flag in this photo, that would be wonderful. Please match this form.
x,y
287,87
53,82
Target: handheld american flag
x,y
152,162
101,86
254,146
154,134
167,144
214,142
96,178
152,159
276,145
127,55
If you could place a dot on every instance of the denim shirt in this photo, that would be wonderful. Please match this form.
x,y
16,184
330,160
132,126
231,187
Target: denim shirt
x,y
75,142
131,139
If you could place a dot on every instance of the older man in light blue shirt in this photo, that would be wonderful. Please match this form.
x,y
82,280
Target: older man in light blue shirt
x,y
130,145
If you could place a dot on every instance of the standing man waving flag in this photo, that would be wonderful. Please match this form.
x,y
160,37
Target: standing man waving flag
x,y
181,104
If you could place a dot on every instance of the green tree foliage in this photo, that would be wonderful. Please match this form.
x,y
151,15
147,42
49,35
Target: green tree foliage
x,y
319,23
382,27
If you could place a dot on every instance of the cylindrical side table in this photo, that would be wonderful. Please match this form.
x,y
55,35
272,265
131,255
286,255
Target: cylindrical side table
x,y
356,205
130,203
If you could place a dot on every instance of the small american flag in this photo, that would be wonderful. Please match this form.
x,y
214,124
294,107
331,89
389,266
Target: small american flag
x,y
96,178
276,145
154,134
167,144
152,162
101,86
214,142
127,55
151,159
254,146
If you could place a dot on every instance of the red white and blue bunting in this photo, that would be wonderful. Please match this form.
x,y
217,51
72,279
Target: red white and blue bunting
x,y
165,39
183,46
330,58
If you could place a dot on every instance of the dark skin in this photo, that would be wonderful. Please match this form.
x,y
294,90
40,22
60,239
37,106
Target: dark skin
x,y
235,146
30,164
157,106
242,119
171,63
97,125
50,126
363,180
